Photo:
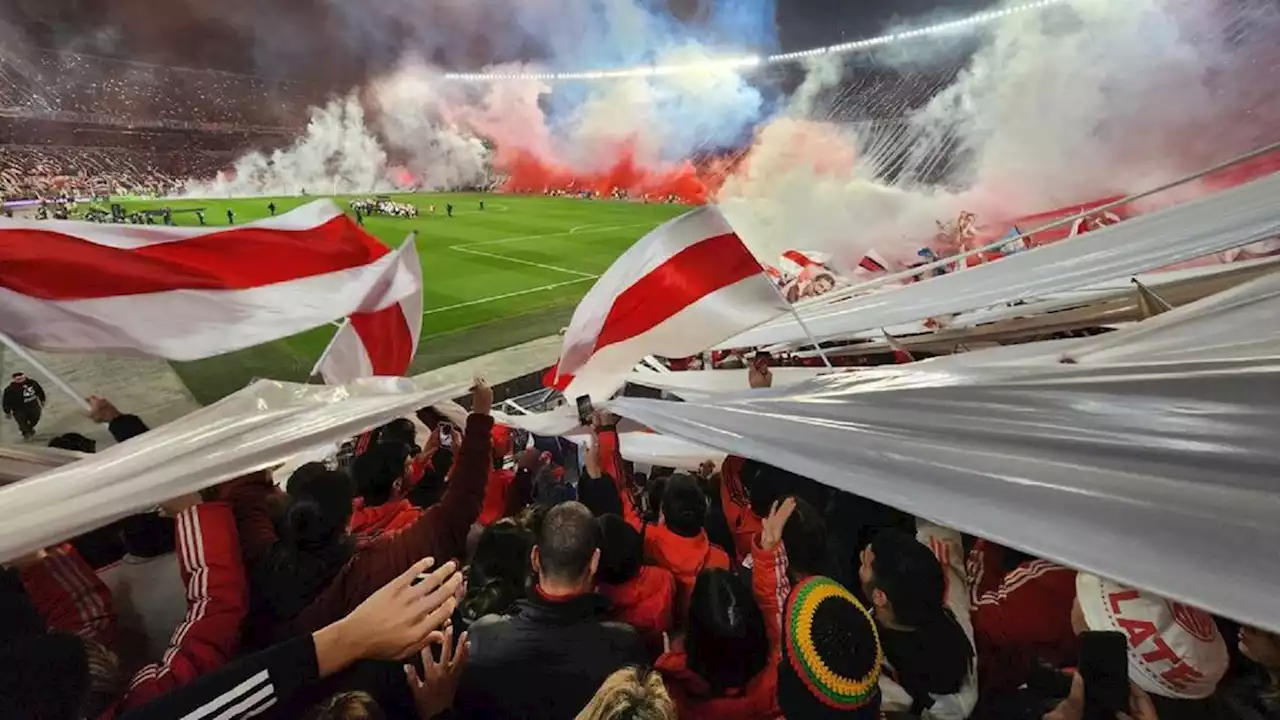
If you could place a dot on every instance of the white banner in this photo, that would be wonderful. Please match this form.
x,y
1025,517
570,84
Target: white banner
x,y
258,427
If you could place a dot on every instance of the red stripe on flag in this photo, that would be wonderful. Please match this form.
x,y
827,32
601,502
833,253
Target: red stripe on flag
x,y
54,266
870,264
685,278
386,338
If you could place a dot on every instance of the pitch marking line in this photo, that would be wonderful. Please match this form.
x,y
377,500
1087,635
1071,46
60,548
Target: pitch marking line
x,y
504,296
530,263
575,231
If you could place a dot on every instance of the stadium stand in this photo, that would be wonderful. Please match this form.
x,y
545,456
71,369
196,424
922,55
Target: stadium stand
x,y
73,124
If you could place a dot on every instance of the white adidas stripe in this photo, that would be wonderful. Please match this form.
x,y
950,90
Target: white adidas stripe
x,y
250,686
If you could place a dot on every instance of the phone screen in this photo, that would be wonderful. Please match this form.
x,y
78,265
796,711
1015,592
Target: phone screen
x,y
1104,667
585,409
446,434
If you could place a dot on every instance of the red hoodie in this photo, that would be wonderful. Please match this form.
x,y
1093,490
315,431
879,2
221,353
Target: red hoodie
x,y
386,517
743,523
759,699
685,557
646,603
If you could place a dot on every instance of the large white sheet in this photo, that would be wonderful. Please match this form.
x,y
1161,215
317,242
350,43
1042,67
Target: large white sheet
x,y
255,428
1161,476
1222,221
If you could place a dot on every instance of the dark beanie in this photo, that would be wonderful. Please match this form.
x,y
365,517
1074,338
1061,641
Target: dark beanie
x,y
831,655
45,676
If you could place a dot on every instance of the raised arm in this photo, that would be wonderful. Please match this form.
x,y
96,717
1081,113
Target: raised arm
x,y
217,600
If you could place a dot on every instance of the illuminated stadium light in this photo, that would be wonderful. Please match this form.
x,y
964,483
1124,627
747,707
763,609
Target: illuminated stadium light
x,y
751,61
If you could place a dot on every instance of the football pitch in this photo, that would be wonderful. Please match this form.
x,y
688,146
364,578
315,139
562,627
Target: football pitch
x,y
492,278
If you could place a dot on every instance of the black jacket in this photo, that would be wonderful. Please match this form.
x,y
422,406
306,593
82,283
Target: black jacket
x,y
16,398
544,660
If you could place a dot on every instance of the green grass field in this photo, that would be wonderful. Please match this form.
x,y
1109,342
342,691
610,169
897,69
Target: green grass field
x,y
492,278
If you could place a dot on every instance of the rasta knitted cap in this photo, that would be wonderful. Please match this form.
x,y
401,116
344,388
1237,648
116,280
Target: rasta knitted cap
x,y
831,654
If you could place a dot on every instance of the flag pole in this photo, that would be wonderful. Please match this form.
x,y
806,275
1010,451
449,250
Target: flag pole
x,y
48,374
799,320
316,370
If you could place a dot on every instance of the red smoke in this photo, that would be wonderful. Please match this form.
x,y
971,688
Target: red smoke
x,y
687,183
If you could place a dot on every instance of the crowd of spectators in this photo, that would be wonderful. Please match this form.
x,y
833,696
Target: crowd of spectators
x,y
48,81
39,171
448,572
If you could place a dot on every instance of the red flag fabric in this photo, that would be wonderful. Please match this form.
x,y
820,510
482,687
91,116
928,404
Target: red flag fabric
x,y
382,342
186,293
682,288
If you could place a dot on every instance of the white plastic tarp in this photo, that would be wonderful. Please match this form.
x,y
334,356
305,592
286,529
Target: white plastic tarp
x,y
17,463
258,427
1161,476
1221,221
636,443
694,383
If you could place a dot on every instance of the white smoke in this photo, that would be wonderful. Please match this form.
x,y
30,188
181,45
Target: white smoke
x,y
1098,98
340,153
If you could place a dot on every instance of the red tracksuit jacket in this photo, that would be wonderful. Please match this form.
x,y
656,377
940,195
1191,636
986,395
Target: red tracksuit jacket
x,y
74,599
1018,616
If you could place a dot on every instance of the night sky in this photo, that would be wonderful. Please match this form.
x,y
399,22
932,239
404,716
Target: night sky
x,y
310,39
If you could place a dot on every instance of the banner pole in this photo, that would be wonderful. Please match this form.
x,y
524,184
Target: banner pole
x,y
316,370
41,368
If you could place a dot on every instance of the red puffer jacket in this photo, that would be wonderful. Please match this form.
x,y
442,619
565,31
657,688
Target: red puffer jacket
x,y
646,603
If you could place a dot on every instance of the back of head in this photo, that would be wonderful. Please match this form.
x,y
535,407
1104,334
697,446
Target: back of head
x,y
621,550
313,543
355,705
567,544
684,507
400,430
631,694
377,471
911,578
498,571
805,537
319,508
74,441
725,638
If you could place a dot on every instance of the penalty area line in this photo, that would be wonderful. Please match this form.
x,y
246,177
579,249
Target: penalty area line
x,y
518,261
504,296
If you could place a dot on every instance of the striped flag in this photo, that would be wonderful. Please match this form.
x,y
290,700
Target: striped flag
x,y
381,342
679,290
184,293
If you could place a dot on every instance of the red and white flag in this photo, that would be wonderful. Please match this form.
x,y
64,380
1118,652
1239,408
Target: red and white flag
x,y
185,293
679,290
382,342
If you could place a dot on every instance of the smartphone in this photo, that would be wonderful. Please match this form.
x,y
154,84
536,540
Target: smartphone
x,y
1104,667
446,434
585,409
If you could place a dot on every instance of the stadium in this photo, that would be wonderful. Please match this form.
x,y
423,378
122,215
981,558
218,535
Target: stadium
x,y
714,313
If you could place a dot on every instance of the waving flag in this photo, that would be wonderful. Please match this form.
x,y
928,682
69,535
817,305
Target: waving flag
x,y
382,342
189,293
682,288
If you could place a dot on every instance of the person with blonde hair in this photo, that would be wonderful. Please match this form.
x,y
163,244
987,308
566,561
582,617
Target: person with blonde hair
x,y
631,693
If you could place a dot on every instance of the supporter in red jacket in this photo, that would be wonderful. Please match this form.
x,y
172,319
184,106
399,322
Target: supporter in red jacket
x,y
73,599
743,523
642,596
679,541
1021,613
500,479
380,475
307,572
